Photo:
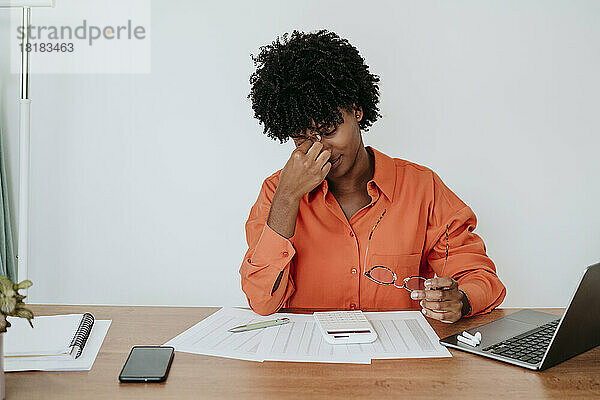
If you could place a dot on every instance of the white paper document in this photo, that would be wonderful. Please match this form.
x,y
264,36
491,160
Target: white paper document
x,y
404,334
211,337
401,334
302,341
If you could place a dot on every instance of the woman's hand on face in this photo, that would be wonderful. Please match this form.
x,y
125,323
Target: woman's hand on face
x,y
441,299
306,168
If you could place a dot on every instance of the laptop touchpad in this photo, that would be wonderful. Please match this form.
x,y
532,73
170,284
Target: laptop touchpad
x,y
501,329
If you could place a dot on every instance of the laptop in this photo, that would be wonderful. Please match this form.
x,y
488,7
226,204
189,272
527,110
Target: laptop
x,y
538,340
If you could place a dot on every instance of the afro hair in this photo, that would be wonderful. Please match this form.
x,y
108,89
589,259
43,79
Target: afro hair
x,y
305,79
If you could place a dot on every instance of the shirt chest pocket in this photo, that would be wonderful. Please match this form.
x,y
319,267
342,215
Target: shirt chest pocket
x,y
403,265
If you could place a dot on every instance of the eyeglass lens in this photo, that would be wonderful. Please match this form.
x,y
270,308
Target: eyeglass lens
x,y
385,276
382,275
414,283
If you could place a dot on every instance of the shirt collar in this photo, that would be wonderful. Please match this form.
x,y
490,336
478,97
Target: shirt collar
x,y
384,175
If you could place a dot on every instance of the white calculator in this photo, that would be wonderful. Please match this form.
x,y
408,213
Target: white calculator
x,y
345,327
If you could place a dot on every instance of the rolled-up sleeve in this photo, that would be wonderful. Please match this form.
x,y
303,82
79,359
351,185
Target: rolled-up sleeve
x,y
265,270
467,262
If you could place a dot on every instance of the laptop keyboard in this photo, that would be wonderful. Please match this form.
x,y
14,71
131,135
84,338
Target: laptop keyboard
x,y
528,347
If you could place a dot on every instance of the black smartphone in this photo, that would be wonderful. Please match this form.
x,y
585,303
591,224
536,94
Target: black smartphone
x,y
147,364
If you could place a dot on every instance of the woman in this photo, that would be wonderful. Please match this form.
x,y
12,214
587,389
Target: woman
x,y
344,226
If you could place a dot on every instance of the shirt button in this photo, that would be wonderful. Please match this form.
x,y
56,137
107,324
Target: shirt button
x,y
352,306
353,270
351,234
285,253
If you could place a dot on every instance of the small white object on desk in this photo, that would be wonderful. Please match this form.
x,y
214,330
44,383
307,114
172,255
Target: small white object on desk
x,y
471,340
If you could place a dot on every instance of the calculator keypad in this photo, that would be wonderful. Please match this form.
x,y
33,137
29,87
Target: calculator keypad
x,y
340,321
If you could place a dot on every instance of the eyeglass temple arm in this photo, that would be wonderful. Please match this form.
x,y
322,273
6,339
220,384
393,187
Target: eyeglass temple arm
x,y
447,248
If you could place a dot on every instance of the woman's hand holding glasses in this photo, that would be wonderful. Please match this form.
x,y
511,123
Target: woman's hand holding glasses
x,y
441,299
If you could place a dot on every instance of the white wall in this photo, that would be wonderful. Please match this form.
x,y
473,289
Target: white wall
x,y
141,184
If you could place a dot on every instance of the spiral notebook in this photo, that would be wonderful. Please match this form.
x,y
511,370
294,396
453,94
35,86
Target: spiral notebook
x,y
58,342
52,336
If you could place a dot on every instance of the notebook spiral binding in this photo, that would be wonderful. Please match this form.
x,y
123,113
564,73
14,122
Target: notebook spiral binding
x,y
82,333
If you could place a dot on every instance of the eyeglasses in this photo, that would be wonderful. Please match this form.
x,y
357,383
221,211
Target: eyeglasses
x,y
384,276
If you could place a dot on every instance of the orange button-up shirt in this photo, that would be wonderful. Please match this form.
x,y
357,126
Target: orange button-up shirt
x,y
321,266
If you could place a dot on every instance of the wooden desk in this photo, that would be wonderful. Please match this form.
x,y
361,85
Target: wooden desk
x,y
463,376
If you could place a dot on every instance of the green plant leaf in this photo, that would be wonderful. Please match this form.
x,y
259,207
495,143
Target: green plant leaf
x,y
6,287
25,284
23,313
11,302
7,305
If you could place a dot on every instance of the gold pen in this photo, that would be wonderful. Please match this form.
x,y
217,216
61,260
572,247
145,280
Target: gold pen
x,y
259,325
